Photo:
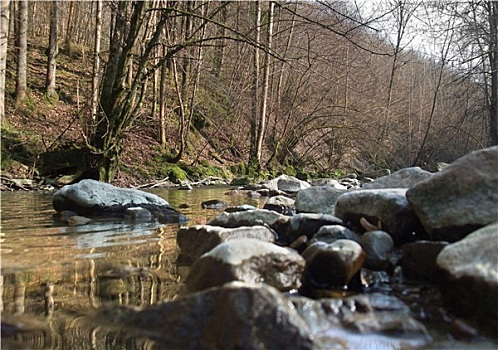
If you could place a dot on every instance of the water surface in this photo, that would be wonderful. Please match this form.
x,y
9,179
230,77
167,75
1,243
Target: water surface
x,y
52,273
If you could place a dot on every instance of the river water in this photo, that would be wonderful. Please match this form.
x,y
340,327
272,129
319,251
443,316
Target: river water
x,y
53,273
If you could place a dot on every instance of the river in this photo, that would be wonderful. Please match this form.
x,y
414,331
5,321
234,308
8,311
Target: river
x,y
53,273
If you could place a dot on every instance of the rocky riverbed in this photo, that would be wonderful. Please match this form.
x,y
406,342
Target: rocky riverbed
x,y
407,260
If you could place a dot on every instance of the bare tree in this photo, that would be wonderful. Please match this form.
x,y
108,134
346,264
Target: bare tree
x,y
96,59
4,34
52,53
22,50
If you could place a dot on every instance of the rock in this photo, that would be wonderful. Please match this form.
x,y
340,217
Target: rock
x,y
376,173
387,205
243,207
331,233
274,220
404,178
287,183
328,183
378,246
306,224
318,199
138,214
95,198
418,260
76,220
281,204
247,260
196,240
366,321
332,265
214,204
459,199
470,277
236,316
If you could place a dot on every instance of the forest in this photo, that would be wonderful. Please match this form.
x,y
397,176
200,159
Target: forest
x,y
132,91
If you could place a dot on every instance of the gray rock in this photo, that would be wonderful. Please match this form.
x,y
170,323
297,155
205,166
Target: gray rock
x,y
332,265
196,240
214,204
281,204
318,199
470,282
459,199
243,207
274,220
387,205
366,321
287,183
90,197
330,183
404,178
247,260
378,246
418,260
331,233
138,214
306,224
236,316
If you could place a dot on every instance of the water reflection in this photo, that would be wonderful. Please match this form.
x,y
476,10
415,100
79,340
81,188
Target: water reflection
x,y
54,275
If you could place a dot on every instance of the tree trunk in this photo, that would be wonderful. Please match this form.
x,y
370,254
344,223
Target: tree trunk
x,y
253,157
69,28
22,50
52,53
96,59
493,61
4,35
266,83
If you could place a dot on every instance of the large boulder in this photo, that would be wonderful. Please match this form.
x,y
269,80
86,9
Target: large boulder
x,y
95,198
318,199
403,178
459,199
196,240
389,206
236,316
470,283
247,260
306,224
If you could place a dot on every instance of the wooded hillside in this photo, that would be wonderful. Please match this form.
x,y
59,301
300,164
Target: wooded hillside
x,y
125,89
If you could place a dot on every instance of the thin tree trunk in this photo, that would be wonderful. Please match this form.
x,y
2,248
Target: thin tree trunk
x,y
266,83
253,161
162,100
96,59
69,28
52,53
493,61
4,35
22,50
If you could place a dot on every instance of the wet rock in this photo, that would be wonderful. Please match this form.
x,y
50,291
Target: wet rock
x,y
196,240
138,214
470,277
331,233
318,199
247,260
287,183
459,199
280,204
214,204
76,220
332,265
378,246
306,224
243,207
236,316
387,205
274,220
418,260
404,178
95,198
367,321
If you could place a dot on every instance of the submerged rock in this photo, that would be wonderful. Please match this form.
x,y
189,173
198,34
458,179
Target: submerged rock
x,y
95,198
236,316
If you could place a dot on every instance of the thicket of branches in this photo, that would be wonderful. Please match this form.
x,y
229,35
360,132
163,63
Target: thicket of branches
x,y
317,85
